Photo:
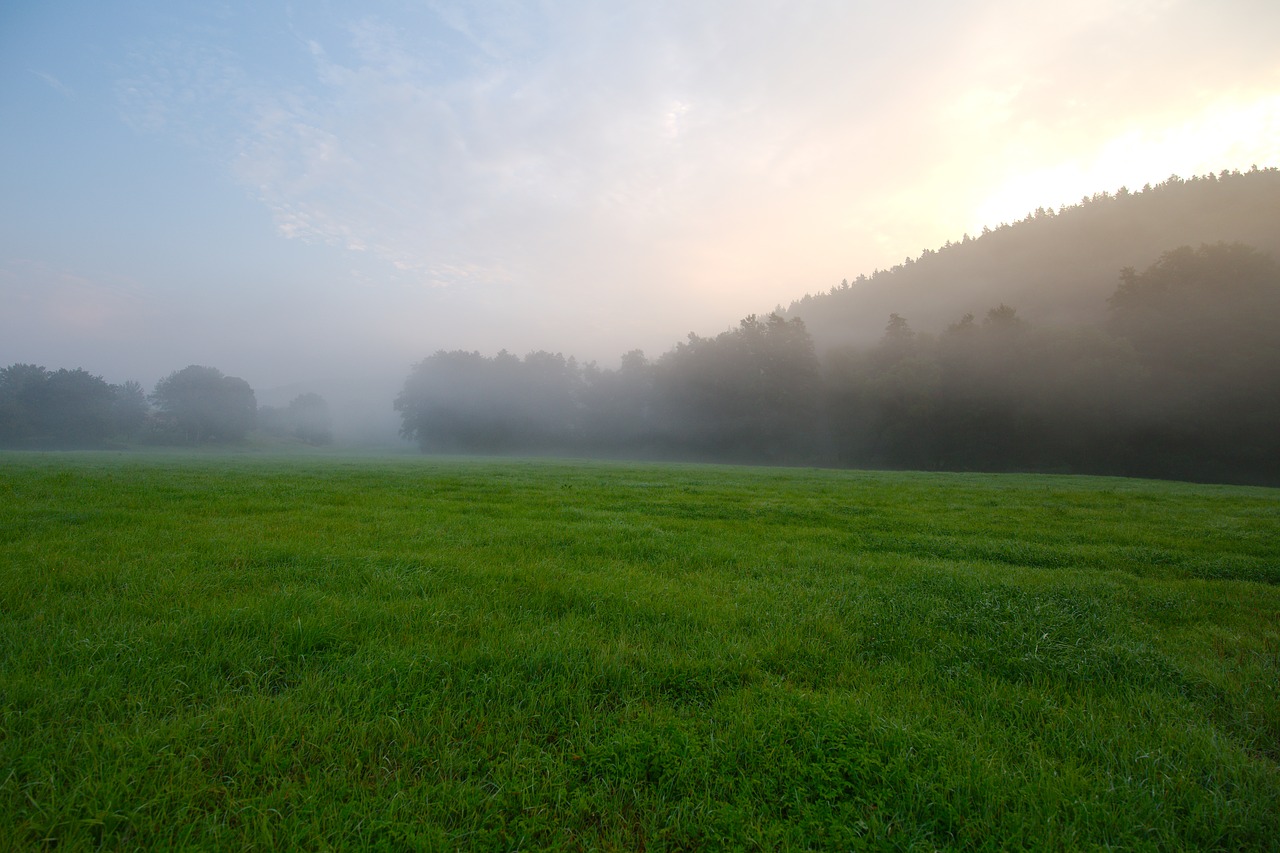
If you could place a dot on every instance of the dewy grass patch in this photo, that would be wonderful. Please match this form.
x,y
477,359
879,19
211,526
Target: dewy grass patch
x,y
237,650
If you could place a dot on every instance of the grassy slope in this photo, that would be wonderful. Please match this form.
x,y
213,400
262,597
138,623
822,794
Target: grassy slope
x,y
496,654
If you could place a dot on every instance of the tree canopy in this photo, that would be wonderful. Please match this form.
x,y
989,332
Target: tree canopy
x,y
306,419
198,404
1183,380
41,408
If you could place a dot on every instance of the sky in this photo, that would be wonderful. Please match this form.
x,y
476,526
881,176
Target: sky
x,y
316,193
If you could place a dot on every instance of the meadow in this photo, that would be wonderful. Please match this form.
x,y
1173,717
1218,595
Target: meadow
x,y
241,651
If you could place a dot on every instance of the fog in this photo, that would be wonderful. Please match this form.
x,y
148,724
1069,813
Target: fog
x,y
314,200
1181,380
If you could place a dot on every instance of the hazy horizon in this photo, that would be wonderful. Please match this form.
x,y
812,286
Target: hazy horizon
x,y
310,199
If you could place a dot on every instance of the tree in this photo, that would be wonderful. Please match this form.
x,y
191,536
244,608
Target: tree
x,y
1202,322
1204,309
199,404
75,409
464,402
881,402
20,388
753,392
617,405
308,418
61,408
129,409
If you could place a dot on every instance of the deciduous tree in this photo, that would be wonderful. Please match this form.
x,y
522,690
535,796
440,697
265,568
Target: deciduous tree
x,y
202,405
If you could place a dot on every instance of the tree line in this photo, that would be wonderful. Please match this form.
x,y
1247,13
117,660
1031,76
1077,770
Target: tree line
x,y
61,409
1180,380
748,394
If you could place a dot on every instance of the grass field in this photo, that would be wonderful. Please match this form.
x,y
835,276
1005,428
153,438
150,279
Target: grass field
x,y
233,651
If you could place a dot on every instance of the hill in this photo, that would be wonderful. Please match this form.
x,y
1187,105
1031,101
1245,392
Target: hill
x,y
1055,268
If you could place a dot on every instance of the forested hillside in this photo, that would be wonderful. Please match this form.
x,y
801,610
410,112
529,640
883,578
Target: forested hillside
x,y
1179,378
1132,334
1056,267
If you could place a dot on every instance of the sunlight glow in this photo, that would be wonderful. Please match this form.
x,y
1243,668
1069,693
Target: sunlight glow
x,y
1229,134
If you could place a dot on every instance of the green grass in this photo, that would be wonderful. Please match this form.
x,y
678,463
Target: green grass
x,y
239,651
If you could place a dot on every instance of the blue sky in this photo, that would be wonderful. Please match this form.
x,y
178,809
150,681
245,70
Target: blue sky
x,y
312,192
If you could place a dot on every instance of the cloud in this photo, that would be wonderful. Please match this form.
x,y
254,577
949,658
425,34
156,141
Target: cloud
x,y
54,83
613,122
619,164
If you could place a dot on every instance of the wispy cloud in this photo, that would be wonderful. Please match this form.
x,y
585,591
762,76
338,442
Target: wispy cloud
x,y
721,155
54,83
